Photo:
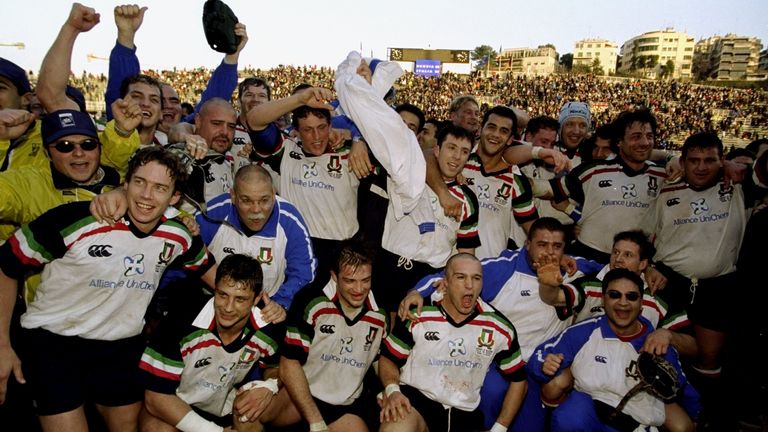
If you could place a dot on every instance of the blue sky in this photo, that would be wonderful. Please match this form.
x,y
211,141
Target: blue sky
x,y
322,32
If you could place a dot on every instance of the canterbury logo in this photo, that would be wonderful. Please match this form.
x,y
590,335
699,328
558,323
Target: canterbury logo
x,y
604,183
228,250
202,362
432,336
673,201
100,251
327,329
601,359
525,293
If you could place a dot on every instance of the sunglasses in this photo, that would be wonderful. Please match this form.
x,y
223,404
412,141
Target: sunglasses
x,y
632,296
69,146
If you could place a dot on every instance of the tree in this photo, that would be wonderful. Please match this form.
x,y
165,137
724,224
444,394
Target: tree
x,y
483,55
597,68
667,70
566,61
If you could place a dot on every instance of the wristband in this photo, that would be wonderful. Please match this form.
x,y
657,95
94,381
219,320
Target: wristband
x,y
391,388
535,150
498,427
318,426
193,422
270,384
121,132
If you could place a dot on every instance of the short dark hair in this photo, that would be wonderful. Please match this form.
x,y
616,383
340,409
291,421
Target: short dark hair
x,y
702,140
627,118
413,109
241,268
353,253
542,122
502,111
622,273
305,111
733,154
253,81
141,78
755,145
457,131
546,223
647,251
164,157
603,132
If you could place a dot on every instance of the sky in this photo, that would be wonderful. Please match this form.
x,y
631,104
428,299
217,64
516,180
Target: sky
x,y
301,32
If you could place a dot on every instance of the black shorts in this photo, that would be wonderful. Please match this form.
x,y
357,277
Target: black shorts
x,y
393,277
331,413
710,306
438,418
64,372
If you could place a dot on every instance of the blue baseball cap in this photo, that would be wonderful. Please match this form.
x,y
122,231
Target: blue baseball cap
x,y
62,123
15,74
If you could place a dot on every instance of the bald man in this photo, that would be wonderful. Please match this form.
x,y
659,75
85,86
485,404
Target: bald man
x,y
252,220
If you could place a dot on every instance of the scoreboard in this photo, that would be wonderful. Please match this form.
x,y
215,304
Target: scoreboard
x,y
441,55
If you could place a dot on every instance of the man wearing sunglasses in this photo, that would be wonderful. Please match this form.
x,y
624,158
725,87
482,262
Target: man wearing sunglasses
x,y
599,352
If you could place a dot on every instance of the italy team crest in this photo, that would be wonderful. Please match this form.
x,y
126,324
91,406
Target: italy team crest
x,y
265,255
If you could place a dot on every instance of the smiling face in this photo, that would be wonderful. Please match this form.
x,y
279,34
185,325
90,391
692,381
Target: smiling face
x,y
148,97
149,191
253,96
353,284
79,165
452,155
574,131
171,112
496,134
467,116
622,312
702,167
636,145
464,281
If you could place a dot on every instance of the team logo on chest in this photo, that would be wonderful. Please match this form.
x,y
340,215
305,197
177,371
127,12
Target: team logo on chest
x,y
309,170
503,193
699,206
372,332
265,255
334,166
346,345
653,187
483,192
166,254
456,347
485,342
628,191
134,265
725,192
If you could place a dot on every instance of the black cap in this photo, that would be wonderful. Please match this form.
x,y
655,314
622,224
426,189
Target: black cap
x,y
219,26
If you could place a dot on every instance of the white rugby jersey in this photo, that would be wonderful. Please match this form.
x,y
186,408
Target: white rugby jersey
x,y
698,233
512,287
97,280
600,362
332,348
192,362
500,195
448,361
614,198
321,187
435,239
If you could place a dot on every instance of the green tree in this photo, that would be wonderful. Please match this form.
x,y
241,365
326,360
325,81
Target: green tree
x,y
566,61
597,68
667,70
482,55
